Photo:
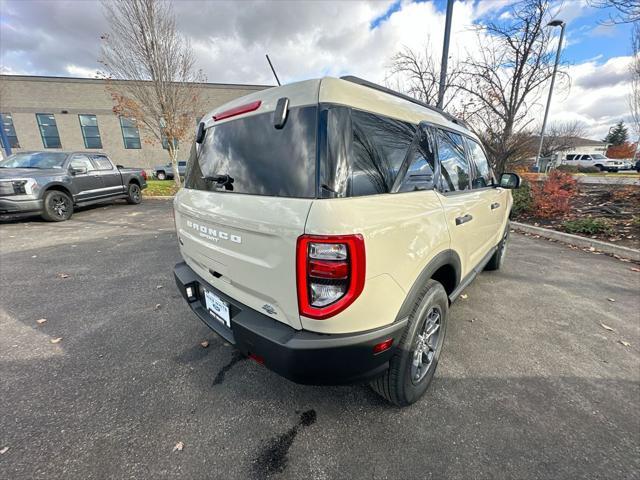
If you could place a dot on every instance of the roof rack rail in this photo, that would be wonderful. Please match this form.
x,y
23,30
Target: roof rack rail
x,y
380,88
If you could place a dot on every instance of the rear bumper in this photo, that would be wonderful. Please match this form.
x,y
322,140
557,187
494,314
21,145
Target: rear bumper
x,y
301,356
8,205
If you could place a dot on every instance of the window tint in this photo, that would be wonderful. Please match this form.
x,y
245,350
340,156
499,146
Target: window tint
x,y
586,157
454,167
182,164
420,172
483,176
261,159
79,161
363,154
48,130
102,162
90,132
571,157
130,133
9,131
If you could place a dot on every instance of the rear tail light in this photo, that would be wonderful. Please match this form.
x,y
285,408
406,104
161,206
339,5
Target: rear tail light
x,y
330,273
144,174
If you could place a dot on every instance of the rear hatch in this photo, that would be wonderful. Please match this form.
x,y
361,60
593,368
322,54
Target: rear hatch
x,y
241,236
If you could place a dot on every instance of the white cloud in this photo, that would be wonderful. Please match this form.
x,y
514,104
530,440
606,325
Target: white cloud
x,y
303,39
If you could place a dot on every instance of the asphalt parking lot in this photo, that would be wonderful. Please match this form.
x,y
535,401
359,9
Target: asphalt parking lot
x,y
531,385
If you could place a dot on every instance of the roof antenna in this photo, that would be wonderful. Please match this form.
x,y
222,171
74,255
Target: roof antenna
x,y
273,70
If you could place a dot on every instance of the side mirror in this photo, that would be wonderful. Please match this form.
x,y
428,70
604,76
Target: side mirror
x,y
78,170
510,180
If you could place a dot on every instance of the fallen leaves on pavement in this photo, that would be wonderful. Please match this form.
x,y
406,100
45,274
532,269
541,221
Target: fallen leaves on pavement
x,y
622,342
4,450
464,296
607,327
41,321
63,275
611,299
56,340
179,446
634,269
204,344
157,307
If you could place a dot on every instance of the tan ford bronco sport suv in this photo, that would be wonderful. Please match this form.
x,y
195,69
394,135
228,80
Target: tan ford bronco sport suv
x,y
327,225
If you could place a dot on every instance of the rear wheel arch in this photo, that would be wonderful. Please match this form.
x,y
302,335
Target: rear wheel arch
x,y
445,268
134,180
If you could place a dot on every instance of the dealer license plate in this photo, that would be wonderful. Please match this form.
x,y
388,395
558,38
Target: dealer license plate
x,y
217,307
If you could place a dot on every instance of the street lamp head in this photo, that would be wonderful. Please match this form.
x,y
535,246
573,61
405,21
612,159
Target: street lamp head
x,y
555,23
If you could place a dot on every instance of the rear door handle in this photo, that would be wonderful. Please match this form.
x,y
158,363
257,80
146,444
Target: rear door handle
x,y
464,219
495,205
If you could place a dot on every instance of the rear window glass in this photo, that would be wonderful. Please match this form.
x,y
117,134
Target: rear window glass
x,y
261,159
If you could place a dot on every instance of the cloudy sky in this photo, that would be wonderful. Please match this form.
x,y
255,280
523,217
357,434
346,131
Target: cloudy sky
x,y
307,39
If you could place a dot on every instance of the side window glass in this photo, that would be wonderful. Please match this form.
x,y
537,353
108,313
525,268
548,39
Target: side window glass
x,y
380,145
102,163
454,167
571,157
586,157
483,176
420,173
82,161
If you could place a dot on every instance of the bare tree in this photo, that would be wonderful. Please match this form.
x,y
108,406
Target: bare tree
x,y
417,73
145,48
505,79
627,11
561,136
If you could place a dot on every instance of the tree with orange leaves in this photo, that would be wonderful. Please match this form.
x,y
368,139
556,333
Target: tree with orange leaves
x,y
145,48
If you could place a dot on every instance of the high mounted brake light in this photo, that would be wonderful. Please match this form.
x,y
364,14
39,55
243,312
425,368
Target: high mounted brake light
x,y
330,273
232,112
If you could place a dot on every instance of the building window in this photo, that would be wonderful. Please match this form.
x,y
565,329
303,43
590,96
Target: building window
x,y
48,130
130,133
165,143
9,130
90,132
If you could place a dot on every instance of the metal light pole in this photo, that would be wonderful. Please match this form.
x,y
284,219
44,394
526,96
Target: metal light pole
x,y
561,24
445,53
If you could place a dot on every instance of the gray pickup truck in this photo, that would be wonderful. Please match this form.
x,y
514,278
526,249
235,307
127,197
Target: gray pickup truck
x,y
53,183
165,172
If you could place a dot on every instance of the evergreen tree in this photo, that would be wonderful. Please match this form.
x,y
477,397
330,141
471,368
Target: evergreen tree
x,y
618,135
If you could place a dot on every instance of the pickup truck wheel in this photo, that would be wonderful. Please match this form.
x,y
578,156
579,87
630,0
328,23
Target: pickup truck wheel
x,y
134,195
57,207
496,261
416,356
161,176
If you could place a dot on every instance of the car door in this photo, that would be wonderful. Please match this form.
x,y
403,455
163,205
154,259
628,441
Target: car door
x,y
493,197
86,181
111,177
466,209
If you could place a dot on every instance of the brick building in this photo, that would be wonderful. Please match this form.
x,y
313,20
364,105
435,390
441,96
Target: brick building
x,y
76,114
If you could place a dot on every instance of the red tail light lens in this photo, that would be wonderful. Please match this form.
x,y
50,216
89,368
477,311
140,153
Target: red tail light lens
x,y
232,112
144,174
330,273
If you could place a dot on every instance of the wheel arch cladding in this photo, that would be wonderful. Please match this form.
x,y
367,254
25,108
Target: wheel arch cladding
x,y
134,181
444,268
57,187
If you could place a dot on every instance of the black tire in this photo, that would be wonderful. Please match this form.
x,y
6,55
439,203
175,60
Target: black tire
x,y
404,383
161,176
497,259
57,206
134,194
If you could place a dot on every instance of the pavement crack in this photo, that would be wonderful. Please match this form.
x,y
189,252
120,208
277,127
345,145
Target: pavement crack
x,y
237,357
273,458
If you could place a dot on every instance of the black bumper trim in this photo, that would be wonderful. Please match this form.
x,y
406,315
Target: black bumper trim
x,y
301,356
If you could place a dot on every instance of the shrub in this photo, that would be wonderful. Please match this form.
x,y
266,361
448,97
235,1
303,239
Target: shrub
x,y
551,198
522,199
588,170
586,226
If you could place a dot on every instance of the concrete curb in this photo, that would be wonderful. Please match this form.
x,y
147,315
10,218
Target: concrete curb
x,y
570,239
147,197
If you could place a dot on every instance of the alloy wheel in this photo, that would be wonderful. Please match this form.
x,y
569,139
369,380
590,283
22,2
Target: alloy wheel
x,y
424,352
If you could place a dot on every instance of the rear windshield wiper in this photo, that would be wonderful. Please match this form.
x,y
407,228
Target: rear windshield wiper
x,y
225,181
